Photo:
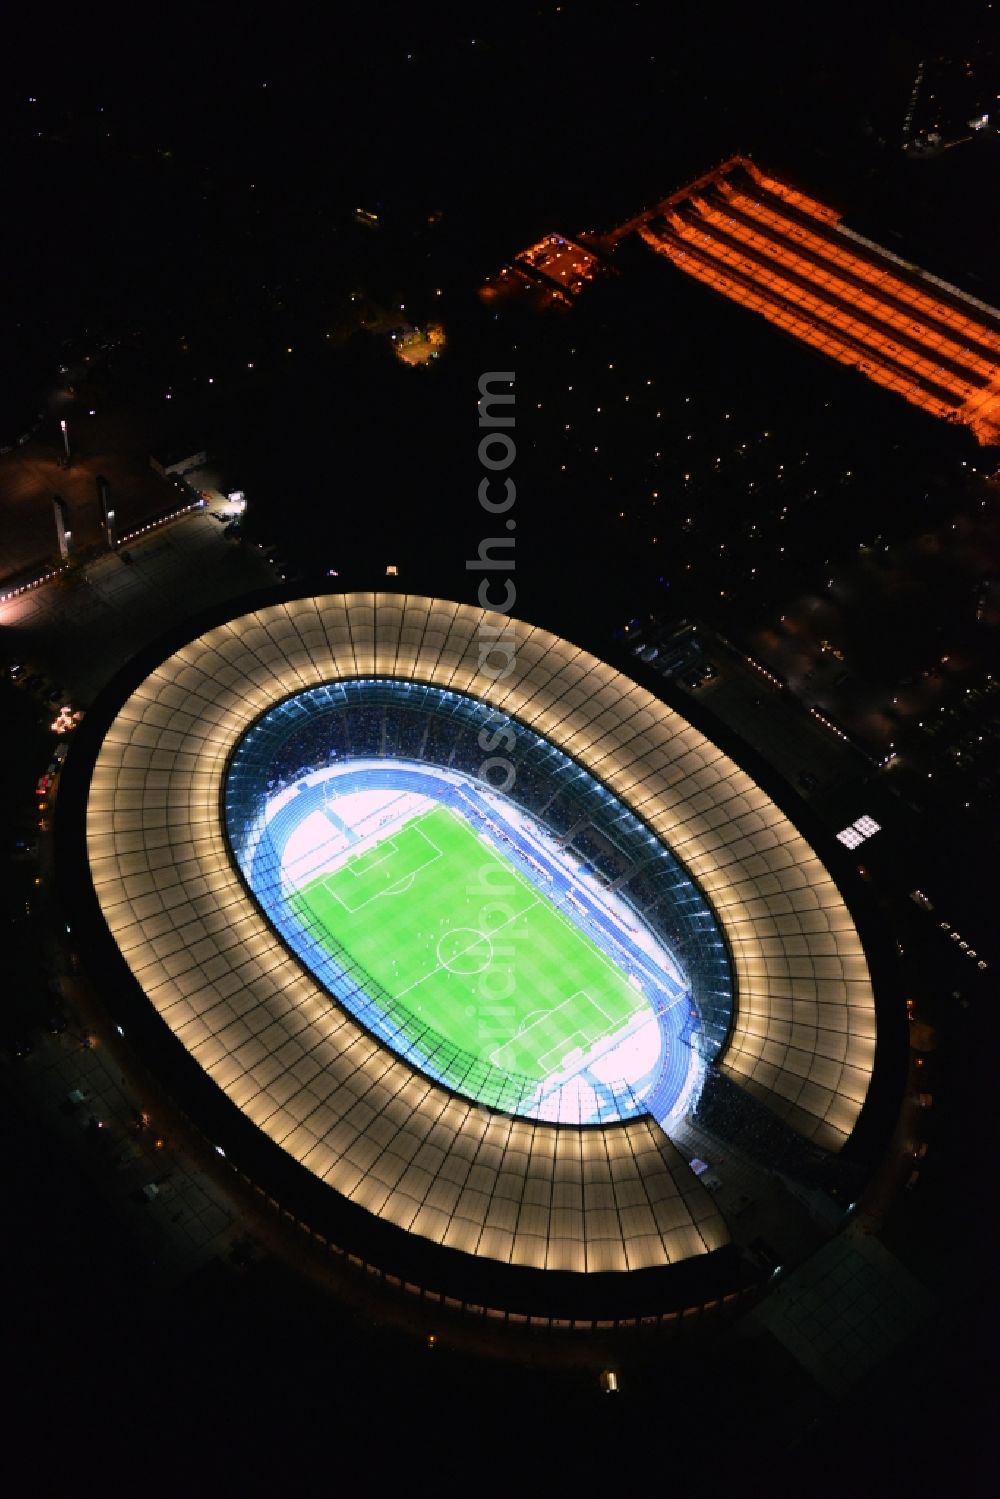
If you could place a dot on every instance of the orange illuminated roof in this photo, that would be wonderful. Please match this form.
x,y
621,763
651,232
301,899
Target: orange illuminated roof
x,y
779,252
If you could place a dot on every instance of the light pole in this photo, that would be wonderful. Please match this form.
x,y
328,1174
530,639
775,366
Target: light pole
x,y
65,437
107,510
63,533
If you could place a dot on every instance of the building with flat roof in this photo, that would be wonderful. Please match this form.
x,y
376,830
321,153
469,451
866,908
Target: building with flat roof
x,y
780,253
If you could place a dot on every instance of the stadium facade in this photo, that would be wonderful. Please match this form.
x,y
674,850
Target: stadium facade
x,y
264,840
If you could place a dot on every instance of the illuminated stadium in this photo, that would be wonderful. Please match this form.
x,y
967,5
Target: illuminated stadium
x,y
452,969
479,934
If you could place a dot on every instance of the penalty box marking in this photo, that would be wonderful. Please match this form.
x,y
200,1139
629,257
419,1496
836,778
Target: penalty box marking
x,y
405,881
394,887
545,1018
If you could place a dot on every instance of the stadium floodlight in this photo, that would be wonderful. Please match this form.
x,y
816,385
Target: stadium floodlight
x,y
862,828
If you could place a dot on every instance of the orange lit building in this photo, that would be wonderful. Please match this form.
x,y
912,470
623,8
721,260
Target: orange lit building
x,y
555,269
559,264
782,254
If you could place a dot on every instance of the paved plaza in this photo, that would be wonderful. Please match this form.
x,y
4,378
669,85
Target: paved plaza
x,y
81,628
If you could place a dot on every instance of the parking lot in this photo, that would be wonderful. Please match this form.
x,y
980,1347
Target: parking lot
x,y
813,759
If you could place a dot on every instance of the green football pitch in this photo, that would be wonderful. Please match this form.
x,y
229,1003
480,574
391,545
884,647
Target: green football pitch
x,y
463,944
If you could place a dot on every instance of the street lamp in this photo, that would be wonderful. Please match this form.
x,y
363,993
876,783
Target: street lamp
x,y
64,533
65,437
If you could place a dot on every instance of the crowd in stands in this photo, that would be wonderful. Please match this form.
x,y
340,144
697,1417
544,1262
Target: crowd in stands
x,y
729,1113
598,855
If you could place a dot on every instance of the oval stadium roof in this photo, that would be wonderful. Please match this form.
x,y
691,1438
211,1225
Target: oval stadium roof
x,y
550,1196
